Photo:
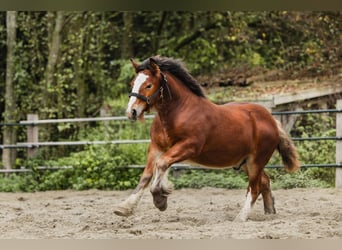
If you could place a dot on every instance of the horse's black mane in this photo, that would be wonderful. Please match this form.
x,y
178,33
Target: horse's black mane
x,y
176,68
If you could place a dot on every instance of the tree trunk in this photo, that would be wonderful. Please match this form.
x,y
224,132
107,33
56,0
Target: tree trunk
x,y
156,38
50,99
9,133
54,45
80,76
127,37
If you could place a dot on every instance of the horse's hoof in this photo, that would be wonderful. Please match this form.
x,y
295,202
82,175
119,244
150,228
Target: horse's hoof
x,y
160,202
123,211
270,211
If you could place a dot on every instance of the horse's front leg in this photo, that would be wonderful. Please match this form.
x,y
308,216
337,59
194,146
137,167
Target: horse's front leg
x,y
127,207
161,187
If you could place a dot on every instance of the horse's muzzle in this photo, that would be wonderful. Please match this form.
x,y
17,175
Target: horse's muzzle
x,y
133,116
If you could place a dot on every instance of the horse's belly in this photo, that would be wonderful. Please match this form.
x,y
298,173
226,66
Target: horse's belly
x,y
220,159
225,150
212,165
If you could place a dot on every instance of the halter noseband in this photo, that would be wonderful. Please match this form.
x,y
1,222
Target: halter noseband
x,y
148,99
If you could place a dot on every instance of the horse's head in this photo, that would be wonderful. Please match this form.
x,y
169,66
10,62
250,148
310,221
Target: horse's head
x,y
147,88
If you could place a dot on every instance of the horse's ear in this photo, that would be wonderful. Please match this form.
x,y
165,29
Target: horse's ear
x,y
135,64
153,66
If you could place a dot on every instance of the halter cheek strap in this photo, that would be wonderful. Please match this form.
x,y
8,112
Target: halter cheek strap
x,y
155,94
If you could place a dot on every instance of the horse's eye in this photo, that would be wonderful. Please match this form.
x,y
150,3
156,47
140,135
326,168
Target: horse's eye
x,y
149,86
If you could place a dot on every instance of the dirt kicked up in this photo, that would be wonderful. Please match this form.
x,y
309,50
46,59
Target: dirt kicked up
x,y
206,213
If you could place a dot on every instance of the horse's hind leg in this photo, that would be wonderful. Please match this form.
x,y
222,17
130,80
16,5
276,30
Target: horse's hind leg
x,y
258,183
253,190
267,194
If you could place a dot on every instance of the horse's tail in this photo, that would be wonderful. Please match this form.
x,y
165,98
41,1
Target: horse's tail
x,y
287,150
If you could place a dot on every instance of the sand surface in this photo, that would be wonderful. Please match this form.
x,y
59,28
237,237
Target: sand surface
x,y
206,213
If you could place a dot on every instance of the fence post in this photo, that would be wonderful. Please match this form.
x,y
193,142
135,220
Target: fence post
x,y
32,135
8,154
338,145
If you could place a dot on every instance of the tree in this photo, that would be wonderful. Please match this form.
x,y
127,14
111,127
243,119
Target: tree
x,y
54,46
127,41
9,134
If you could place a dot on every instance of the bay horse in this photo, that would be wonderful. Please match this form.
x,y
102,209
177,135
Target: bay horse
x,y
189,127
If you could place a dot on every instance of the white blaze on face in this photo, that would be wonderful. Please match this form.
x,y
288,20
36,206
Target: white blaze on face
x,y
139,80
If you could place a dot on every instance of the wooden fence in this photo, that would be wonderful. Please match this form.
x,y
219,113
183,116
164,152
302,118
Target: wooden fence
x,y
32,144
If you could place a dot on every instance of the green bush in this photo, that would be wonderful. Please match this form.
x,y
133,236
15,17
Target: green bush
x,y
98,167
18,182
300,179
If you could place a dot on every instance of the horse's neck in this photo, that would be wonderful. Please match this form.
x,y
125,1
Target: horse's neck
x,y
178,96
174,104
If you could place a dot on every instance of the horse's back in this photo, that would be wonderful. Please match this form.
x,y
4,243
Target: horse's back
x,y
253,110
246,107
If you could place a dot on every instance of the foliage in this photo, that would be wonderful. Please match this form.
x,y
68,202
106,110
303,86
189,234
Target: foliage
x,y
17,183
301,179
96,167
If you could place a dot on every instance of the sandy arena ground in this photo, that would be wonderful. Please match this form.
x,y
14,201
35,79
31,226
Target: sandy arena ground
x,y
192,214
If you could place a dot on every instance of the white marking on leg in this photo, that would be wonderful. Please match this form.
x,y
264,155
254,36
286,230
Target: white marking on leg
x,y
134,198
139,80
243,215
128,206
156,179
165,183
